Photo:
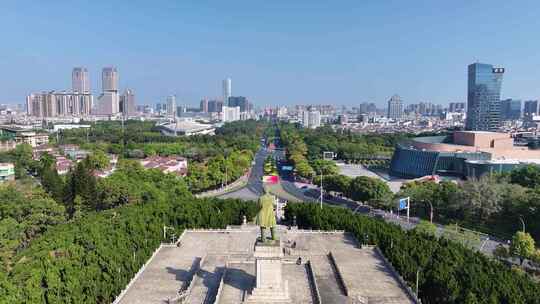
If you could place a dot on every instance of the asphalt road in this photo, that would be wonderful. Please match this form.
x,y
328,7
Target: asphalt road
x,y
254,187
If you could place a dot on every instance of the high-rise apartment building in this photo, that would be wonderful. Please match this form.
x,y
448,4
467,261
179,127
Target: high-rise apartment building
x,y
109,79
127,103
366,107
215,106
484,97
204,105
59,104
227,90
511,109
80,81
530,109
171,106
240,101
456,107
231,114
395,107
109,100
311,119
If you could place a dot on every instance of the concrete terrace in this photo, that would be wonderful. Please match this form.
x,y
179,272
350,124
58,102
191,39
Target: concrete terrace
x,y
217,266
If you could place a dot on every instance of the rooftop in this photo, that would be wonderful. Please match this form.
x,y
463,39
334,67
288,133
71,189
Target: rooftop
x,y
218,266
188,126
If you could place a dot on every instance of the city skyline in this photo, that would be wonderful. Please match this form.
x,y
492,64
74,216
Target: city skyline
x,y
280,62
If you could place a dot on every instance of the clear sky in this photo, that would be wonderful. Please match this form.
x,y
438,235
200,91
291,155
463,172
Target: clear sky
x,y
276,52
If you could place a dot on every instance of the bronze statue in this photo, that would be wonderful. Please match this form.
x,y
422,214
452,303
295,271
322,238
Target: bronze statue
x,y
266,217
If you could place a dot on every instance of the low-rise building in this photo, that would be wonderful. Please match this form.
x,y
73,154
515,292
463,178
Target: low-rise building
x,y
63,164
187,127
12,136
74,152
463,154
7,172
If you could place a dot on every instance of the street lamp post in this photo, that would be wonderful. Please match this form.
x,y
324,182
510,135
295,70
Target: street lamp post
x,y
322,165
321,187
417,280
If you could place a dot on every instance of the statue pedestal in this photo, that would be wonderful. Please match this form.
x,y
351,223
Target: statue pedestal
x,y
270,287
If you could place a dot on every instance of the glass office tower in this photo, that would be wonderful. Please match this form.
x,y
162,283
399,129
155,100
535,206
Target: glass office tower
x,y
484,97
511,109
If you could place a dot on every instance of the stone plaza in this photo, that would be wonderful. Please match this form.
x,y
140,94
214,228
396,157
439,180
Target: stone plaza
x,y
231,266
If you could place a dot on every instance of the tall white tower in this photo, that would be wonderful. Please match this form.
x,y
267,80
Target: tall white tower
x,y
80,82
171,106
109,100
109,78
227,84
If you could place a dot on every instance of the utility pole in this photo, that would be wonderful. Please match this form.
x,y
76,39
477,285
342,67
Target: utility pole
x,y
522,224
431,212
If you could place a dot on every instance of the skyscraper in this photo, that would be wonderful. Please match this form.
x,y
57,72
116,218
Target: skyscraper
x,y
511,109
227,91
204,105
215,106
109,79
530,109
80,82
240,101
171,106
109,101
395,107
484,97
127,103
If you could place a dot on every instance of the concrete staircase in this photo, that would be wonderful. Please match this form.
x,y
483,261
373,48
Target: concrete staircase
x,y
330,288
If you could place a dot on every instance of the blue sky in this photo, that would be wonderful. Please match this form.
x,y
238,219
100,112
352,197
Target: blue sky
x,y
277,52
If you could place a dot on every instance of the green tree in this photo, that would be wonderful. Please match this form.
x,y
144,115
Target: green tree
x,y
522,246
327,167
98,160
527,176
23,160
370,190
83,183
304,169
53,184
426,227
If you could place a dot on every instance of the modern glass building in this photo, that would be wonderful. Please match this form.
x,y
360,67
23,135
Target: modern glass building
x,y
465,154
511,109
484,97
409,161
530,109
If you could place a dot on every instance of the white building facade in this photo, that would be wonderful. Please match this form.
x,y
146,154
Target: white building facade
x,y
231,114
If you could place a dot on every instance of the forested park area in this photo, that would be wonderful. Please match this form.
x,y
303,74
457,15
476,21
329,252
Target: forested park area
x,y
53,255
76,238
447,271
